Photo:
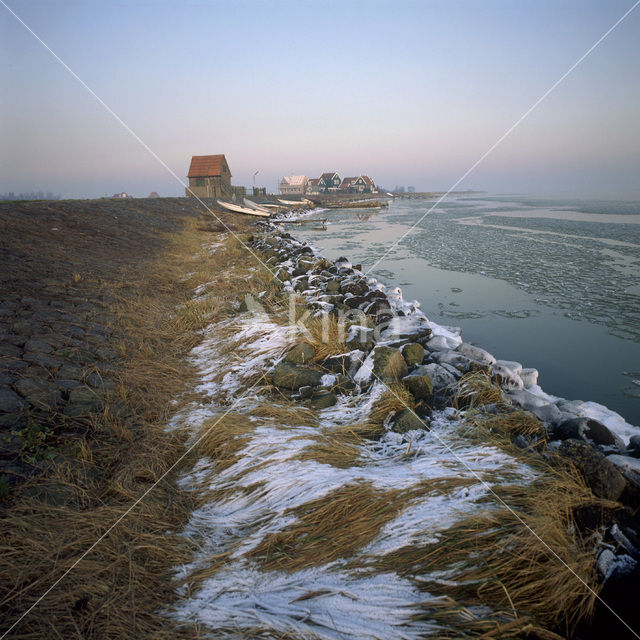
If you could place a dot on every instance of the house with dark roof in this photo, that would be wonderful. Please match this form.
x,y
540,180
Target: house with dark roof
x,y
209,177
329,182
364,184
313,186
346,185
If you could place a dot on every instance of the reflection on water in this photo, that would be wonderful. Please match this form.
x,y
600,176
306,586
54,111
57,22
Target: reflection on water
x,y
553,285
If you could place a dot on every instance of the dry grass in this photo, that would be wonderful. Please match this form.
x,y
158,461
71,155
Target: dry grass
x,y
223,438
120,587
327,335
225,273
508,423
395,398
289,414
501,558
332,527
339,450
475,389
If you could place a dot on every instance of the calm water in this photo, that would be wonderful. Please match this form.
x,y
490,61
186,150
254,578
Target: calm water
x,y
553,284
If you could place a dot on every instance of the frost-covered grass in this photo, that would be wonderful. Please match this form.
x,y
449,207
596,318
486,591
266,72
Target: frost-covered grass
x,y
327,524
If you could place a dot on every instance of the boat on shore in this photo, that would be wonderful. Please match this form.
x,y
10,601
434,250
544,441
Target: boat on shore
x,y
254,205
236,208
296,203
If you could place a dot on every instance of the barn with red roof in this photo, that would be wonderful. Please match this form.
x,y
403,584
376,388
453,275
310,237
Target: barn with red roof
x,y
209,177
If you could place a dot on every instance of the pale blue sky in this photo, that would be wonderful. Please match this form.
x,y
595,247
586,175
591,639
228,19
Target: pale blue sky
x,y
409,92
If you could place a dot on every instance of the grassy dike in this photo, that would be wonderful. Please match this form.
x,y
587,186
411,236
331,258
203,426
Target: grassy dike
x,y
159,282
71,471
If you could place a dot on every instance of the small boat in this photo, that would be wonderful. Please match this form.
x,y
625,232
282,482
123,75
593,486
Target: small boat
x,y
293,203
236,208
254,205
390,194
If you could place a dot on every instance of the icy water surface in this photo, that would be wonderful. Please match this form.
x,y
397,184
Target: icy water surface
x,y
554,284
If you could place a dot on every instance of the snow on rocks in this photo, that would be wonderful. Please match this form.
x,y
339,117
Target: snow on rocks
x,y
274,474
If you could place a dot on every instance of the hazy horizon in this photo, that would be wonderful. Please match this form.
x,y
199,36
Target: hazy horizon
x,y
412,93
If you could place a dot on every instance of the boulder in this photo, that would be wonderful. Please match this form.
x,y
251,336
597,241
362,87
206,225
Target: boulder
x,y
475,353
333,285
599,473
507,374
292,376
529,377
82,402
388,364
414,327
419,385
355,287
440,377
361,338
413,353
355,302
628,467
10,401
406,420
301,353
40,393
454,359
587,429
324,400
442,343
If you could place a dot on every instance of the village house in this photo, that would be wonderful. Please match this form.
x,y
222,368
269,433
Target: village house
x,y
313,186
346,185
329,182
293,185
364,184
209,177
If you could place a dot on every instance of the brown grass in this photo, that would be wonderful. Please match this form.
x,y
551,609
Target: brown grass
x,y
223,438
332,527
327,335
395,398
501,557
340,450
508,423
289,414
120,587
475,389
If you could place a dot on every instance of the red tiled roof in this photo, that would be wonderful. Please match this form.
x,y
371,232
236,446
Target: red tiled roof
x,y
328,175
367,180
202,166
314,182
346,182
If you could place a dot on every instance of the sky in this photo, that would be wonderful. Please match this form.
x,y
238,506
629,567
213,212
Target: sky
x,y
409,92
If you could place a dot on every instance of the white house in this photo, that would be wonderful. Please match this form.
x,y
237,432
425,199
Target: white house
x,y
293,185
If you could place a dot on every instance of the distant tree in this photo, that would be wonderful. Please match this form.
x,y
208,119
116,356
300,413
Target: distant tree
x,y
31,195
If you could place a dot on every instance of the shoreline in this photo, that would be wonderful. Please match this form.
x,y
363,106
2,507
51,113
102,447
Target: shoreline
x,y
341,407
578,350
330,464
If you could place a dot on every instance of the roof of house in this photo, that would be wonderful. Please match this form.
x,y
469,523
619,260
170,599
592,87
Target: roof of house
x,y
314,182
328,175
346,182
368,180
294,181
202,166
